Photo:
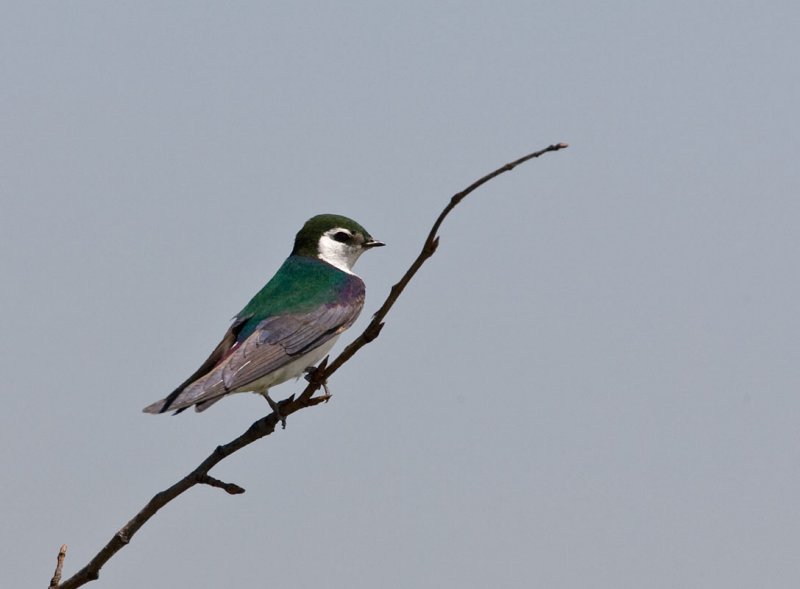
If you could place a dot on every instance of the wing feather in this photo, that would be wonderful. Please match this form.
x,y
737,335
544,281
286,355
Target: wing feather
x,y
222,350
276,342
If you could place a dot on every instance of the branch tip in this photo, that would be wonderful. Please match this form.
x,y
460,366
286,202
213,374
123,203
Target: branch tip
x,y
56,580
230,488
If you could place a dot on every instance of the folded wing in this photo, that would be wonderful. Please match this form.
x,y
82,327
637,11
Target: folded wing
x,y
276,342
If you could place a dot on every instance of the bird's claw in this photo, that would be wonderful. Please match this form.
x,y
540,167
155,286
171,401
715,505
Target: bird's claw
x,y
275,409
310,374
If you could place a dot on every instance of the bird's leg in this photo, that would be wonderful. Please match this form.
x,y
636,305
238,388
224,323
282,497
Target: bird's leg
x,y
275,408
310,372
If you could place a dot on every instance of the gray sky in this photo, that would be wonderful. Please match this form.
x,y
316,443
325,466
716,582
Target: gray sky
x,y
594,383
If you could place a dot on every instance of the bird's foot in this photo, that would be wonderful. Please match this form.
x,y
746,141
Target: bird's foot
x,y
311,372
276,408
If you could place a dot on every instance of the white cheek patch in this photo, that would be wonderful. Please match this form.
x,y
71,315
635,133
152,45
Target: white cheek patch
x,y
338,254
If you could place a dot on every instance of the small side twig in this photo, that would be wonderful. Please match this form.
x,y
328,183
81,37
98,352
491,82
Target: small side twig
x,y
266,425
230,488
56,580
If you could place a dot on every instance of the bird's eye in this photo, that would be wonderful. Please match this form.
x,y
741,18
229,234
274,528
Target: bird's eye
x,y
342,236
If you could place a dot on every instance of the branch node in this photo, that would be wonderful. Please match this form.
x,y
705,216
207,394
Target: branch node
x,y
434,245
373,331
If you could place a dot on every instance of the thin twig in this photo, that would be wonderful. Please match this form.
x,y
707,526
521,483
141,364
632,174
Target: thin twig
x,y
428,249
266,425
229,488
62,553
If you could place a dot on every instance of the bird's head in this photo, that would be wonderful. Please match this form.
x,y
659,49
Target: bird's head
x,y
334,239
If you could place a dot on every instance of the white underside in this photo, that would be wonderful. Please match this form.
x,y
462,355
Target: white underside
x,y
292,370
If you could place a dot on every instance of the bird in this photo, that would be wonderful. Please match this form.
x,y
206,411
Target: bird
x,y
290,324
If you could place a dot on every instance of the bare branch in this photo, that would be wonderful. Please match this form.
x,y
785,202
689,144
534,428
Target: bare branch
x,y
428,249
266,425
229,488
62,553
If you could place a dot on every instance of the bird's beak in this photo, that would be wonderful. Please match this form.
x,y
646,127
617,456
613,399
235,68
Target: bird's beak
x,y
373,243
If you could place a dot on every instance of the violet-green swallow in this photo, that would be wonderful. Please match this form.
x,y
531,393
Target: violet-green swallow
x,y
291,323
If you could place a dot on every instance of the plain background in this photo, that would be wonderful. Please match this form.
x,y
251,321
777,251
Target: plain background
x,y
594,383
